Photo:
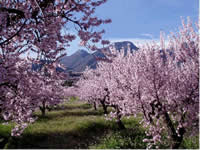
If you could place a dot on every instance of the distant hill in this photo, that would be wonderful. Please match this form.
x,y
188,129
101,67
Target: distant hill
x,y
78,61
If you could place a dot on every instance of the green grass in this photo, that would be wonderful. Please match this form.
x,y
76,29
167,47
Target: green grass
x,y
77,125
4,134
190,143
73,125
131,137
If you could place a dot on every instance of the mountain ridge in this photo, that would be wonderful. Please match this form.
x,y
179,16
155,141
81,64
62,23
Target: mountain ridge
x,y
78,61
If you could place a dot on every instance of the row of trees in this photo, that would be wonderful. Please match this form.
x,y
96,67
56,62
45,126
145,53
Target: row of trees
x,y
34,28
161,82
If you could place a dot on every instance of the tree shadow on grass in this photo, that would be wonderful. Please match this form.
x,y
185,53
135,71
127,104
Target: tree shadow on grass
x,y
82,138
83,113
72,107
66,113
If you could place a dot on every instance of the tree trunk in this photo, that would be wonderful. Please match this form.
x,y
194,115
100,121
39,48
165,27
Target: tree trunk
x,y
95,106
120,124
1,116
176,140
43,109
43,112
104,107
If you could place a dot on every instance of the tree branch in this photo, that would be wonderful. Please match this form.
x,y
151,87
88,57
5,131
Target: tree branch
x,y
7,40
14,11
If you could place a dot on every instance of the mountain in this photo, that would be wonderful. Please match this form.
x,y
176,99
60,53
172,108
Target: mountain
x,y
78,61
125,45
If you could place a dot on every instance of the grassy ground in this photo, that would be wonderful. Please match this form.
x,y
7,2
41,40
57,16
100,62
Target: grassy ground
x,y
78,125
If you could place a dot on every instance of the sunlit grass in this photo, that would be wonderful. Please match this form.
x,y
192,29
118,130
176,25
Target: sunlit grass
x,y
77,125
73,125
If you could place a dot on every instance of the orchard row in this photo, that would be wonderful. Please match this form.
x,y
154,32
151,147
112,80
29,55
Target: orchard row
x,y
159,82
39,29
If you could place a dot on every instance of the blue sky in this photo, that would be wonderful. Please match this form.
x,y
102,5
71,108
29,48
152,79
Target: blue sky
x,y
141,20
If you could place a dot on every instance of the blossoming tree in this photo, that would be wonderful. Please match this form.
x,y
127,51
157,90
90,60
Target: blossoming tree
x,y
34,26
161,82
